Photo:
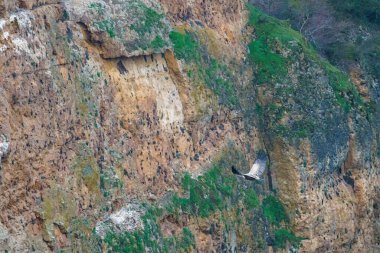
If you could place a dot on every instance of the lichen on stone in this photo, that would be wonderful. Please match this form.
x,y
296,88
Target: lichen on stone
x,y
127,219
123,28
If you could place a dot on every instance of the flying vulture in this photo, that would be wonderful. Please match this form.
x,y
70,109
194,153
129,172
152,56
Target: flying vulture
x,y
257,169
4,146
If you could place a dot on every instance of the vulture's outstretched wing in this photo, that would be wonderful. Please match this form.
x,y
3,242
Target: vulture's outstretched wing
x,y
257,169
4,147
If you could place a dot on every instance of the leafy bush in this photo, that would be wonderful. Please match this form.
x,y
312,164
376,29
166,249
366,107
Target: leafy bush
x,y
207,193
158,42
274,211
250,199
185,46
281,236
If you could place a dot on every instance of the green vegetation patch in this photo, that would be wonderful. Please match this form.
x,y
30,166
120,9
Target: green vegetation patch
x,y
272,66
216,75
149,24
274,211
97,8
150,238
149,19
276,214
132,23
207,193
283,61
58,208
86,169
345,91
365,12
216,190
281,236
186,47
251,199
158,43
108,26
274,36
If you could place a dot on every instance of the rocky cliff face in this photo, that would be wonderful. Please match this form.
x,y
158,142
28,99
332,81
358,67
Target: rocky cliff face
x,y
120,120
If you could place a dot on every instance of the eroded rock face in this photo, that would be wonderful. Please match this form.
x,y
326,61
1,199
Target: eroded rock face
x,y
97,113
122,28
86,130
326,207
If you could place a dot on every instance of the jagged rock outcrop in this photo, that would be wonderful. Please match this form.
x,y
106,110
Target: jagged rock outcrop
x,y
122,28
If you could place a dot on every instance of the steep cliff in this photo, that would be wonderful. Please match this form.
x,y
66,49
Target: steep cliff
x,y
120,121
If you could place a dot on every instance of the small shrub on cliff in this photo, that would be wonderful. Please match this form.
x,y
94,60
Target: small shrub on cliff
x,y
186,242
185,46
274,210
281,236
207,193
250,199
107,26
345,91
148,20
158,42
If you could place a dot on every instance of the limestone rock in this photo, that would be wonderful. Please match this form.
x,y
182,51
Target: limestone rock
x,y
128,218
122,28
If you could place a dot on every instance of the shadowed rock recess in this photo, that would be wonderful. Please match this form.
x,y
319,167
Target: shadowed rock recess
x,y
120,121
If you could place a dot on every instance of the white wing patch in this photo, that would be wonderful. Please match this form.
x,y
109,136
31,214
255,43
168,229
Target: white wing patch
x,y
257,169
4,146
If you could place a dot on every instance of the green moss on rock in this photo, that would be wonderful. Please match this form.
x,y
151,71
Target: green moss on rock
x,y
86,170
274,211
58,209
281,236
108,26
216,75
150,238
